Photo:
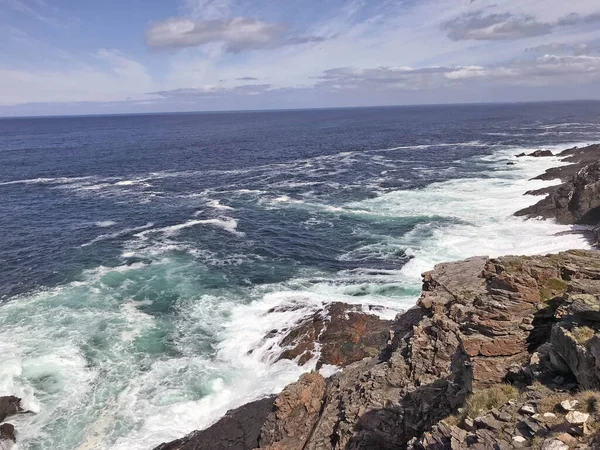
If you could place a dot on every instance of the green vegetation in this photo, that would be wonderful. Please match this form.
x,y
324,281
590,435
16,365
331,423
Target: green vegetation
x,y
552,288
490,398
482,401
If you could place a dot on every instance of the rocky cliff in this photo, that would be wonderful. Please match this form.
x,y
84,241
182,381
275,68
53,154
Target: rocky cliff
x,y
485,360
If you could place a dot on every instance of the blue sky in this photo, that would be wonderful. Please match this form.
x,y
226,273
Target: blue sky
x,y
85,57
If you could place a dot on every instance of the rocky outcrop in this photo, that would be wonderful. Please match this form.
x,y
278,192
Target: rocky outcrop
x,y
9,406
577,199
339,333
537,154
478,363
577,158
575,202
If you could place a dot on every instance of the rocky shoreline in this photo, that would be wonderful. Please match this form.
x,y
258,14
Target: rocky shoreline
x,y
497,354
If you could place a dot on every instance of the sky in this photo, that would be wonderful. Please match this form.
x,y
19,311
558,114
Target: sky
x,y
126,56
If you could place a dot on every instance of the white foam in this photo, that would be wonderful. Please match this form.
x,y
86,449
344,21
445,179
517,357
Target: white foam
x,y
226,223
58,180
217,205
478,215
116,234
105,223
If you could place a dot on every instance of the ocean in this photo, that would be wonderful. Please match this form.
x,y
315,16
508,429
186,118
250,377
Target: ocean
x,y
141,255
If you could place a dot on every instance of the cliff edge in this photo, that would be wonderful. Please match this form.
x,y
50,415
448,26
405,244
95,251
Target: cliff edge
x,y
498,353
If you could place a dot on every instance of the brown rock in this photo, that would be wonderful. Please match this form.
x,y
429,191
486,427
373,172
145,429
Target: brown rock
x,y
295,412
7,433
344,334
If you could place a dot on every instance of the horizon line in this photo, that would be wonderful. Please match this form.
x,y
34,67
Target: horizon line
x,y
266,110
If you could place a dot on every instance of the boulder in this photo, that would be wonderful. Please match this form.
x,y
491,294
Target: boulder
x,y
569,405
7,433
577,418
9,406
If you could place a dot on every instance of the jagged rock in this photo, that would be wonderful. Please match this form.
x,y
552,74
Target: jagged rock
x,y
7,433
577,200
343,334
296,411
478,323
582,360
9,406
577,418
541,153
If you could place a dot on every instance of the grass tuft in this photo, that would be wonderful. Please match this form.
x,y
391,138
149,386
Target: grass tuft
x,y
582,334
552,288
490,398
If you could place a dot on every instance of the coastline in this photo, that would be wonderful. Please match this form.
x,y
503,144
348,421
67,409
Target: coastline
x,y
286,318
269,427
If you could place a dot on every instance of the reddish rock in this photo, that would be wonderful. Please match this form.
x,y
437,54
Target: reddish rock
x,y
296,411
344,334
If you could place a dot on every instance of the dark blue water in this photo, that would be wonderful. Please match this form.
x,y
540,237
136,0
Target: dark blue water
x,y
66,173
132,241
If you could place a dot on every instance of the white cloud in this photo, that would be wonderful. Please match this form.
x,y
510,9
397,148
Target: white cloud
x,y
237,34
237,50
482,26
